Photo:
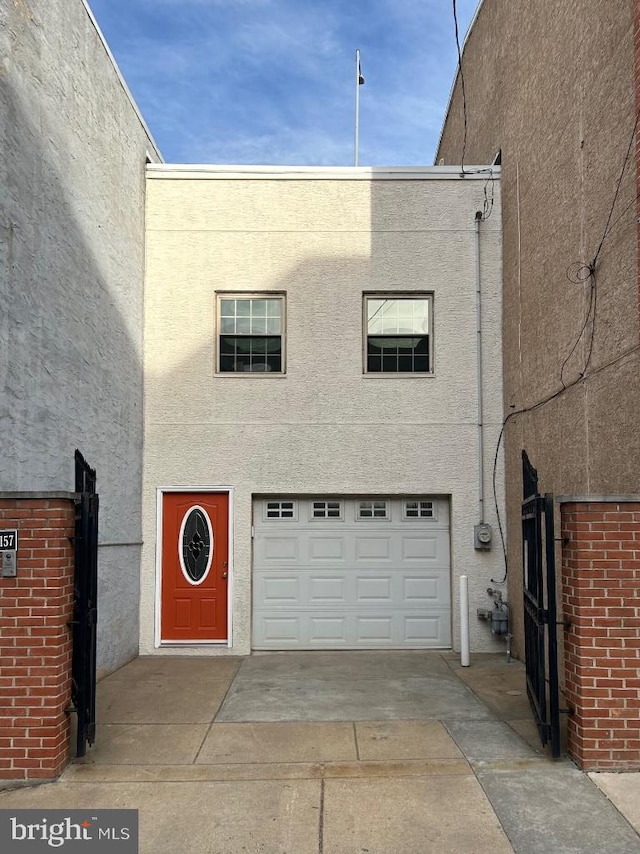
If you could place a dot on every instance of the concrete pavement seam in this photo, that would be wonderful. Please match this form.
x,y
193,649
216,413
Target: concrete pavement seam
x,y
213,720
321,819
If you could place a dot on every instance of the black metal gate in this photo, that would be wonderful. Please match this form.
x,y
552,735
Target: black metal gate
x,y
539,583
85,611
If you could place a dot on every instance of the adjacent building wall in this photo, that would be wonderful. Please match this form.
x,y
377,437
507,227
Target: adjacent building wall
x,y
323,237
551,84
72,157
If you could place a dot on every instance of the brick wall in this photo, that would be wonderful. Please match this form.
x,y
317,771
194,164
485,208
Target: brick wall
x,y
35,641
601,598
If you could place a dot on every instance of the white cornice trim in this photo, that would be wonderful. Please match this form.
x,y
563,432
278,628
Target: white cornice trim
x,y
315,173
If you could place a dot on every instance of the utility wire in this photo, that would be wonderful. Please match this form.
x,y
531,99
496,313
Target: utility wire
x,y
615,196
592,303
531,408
464,94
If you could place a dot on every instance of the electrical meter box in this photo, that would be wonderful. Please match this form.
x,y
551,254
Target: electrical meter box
x,y
482,537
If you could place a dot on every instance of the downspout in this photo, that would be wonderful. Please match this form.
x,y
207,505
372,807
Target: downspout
x,y
478,218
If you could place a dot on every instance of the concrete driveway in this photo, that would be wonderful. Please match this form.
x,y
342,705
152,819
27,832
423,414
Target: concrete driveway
x,y
332,753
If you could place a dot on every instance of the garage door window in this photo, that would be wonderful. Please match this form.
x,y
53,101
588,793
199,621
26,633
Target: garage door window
x,y
373,510
326,509
418,510
280,510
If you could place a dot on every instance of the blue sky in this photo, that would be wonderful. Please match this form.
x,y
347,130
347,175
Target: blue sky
x,y
272,81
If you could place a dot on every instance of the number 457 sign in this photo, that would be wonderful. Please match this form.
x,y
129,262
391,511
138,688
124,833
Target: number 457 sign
x,y
8,539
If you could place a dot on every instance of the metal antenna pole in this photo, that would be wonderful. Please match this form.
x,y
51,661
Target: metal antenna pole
x,y
359,81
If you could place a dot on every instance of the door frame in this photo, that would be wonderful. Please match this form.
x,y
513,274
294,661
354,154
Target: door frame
x,y
160,493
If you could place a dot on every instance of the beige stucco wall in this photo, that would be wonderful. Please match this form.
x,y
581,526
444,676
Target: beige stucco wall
x,y
552,85
323,427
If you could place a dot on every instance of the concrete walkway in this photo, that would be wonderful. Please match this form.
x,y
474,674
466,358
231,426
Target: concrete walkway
x,y
336,753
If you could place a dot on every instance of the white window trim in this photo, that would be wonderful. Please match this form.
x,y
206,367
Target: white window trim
x,y
387,510
428,295
282,296
434,508
338,501
266,501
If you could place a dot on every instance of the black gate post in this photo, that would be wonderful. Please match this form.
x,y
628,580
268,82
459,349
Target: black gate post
x,y
540,610
85,615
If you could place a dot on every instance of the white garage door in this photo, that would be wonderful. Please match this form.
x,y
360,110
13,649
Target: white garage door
x,y
351,573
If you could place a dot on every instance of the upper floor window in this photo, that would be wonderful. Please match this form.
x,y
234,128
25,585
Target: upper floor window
x,y
398,333
250,333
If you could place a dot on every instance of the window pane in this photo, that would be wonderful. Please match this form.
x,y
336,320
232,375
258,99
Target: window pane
x,y
243,325
258,308
258,325
247,353
227,324
397,316
274,307
398,354
227,308
273,325
390,364
243,307
374,364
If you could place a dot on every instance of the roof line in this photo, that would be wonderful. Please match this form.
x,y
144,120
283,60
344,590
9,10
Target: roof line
x,y
123,83
455,79
351,173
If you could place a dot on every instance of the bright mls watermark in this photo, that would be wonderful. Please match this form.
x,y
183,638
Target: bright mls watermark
x,y
36,831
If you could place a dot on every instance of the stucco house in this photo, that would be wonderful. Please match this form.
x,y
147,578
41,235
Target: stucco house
x,y
309,360
320,417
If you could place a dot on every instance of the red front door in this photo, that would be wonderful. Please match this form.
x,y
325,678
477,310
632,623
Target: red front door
x,y
195,554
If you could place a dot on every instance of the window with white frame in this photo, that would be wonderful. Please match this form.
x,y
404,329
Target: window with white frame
x,y
376,509
326,509
251,333
398,333
280,510
418,509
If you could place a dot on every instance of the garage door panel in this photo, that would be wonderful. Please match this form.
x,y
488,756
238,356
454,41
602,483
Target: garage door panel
x,y
370,588
279,589
327,629
426,548
280,630
326,549
347,583
277,549
369,547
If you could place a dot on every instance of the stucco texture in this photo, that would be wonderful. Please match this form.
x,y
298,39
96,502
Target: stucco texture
x,y
72,157
552,85
323,427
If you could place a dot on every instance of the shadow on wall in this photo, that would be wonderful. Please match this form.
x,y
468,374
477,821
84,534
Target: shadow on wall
x,y
71,366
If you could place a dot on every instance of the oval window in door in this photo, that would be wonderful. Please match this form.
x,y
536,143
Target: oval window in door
x,y
195,545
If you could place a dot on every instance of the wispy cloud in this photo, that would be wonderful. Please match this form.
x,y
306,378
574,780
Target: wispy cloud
x,y
273,80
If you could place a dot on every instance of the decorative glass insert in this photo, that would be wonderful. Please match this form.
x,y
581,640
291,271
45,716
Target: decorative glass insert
x,y
419,510
326,509
373,510
280,510
250,334
196,545
398,331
